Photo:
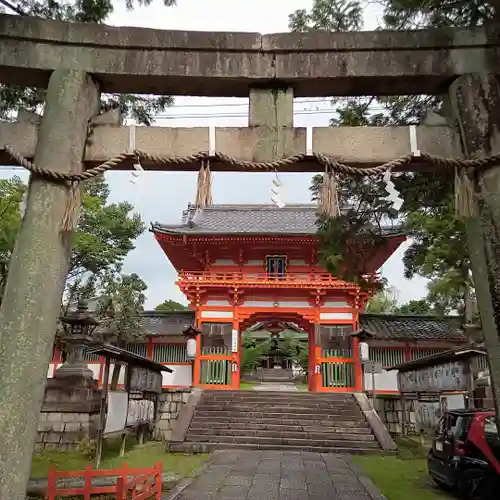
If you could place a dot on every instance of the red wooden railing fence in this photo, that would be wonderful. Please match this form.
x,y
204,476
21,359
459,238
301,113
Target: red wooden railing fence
x,y
145,483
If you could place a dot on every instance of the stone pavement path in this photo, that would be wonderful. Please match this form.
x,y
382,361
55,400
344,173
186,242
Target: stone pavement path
x,y
275,475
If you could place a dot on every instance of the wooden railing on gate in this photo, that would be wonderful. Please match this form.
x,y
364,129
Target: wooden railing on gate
x,y
139,484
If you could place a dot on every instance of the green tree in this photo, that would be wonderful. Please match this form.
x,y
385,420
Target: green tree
x,y
105,234
121,300
253,352
383,302
12,98
439,256
11,193
420,307
171,305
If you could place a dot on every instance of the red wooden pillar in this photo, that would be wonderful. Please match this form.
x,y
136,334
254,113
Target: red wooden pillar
x,y
310,358
235,356
197,361
358,368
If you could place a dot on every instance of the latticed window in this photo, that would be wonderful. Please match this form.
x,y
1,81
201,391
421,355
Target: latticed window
x,y
170,353
216,338
418,353
335,341
139,349
387,356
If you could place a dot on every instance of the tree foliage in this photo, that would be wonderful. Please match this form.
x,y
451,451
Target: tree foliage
x,y
11,193
12,98
438,249
171,305
120,300
105,234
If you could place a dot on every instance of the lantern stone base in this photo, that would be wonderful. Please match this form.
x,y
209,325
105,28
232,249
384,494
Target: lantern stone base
x,y
70,413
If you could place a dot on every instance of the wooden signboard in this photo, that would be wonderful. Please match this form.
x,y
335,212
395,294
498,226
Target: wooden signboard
x,y
141,379
445,377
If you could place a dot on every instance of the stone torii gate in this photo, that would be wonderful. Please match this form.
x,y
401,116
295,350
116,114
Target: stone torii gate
x,y
76,62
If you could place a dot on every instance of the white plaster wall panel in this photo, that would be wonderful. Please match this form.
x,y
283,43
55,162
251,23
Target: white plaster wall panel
x,y
336,303
224,262
385,381
294,304
181,376
335,315
96,368
255,263
258,303
218,302
297,262
216,314
121,378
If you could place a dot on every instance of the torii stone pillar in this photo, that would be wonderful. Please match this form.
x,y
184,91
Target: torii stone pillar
x,y
37,272
475,110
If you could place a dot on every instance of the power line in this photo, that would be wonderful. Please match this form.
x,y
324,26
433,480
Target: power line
x,y
164,116
13,7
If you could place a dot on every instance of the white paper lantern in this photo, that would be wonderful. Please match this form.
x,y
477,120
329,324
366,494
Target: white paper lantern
x,y
364,351
191,348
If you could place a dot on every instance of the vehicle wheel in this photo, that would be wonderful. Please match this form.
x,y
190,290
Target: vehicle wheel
x,y
471,485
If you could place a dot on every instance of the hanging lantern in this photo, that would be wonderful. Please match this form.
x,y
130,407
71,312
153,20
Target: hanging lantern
x,y
191,333
364,351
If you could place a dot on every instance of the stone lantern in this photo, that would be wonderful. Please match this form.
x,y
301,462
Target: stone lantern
x,y
79,327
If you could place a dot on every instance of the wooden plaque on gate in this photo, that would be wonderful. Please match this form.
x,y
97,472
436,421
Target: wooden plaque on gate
x,y
140,379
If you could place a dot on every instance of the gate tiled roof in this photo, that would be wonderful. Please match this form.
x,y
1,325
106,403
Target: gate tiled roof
x,y
247,220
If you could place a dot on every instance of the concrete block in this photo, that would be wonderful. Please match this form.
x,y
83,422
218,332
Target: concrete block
x,y
52,437
54,417
58,426
72,427
45,426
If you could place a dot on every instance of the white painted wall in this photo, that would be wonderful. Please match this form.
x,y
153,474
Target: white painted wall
x,y
182,375
385,381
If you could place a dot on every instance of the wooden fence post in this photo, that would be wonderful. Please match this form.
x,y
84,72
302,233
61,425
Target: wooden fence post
x,y
158,480
51,483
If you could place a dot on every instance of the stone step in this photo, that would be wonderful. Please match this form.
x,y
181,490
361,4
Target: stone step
x,y
278,427
206,447
264,441
301,414
248,406
284,421
265,433
263,394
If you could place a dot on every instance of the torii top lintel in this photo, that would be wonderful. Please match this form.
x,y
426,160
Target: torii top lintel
x,y
229,64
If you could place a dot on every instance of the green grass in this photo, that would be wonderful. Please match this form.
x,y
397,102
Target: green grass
x,y
247,386
404,476
136,456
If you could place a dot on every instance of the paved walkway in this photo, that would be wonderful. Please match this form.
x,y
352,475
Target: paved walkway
x,y
274,475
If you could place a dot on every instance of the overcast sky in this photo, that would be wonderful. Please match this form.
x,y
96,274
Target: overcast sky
x,y
162,196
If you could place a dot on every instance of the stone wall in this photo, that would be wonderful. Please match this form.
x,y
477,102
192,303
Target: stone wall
x,y
171,401
64,431
390,411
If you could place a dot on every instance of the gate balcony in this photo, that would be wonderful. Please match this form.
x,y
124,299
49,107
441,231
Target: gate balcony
x,y
263,280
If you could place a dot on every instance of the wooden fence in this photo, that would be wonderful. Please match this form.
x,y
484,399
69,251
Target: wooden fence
x,y
132,484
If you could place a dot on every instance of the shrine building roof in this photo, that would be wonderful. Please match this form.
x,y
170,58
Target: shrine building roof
x,y
248,220
395,327
376,326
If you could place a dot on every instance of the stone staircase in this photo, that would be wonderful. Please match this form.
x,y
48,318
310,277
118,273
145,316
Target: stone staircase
x,y
328,423
273,375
